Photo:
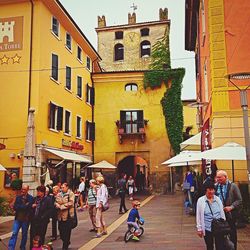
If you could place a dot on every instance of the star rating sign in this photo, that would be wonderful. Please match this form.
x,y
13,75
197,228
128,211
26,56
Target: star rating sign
x,y
16,59
4,59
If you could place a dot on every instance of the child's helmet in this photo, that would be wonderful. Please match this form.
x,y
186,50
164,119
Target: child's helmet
x,y
141,221
136,203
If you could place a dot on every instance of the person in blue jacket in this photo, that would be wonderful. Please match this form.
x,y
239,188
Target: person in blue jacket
x,y
133,215
22,207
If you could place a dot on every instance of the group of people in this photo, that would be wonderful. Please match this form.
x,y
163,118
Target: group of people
x,y
57,203
222,199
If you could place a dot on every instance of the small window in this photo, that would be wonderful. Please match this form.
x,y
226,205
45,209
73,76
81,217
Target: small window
x,y
131,121
54,70
90,95
119,35
79,86
55,116
119,52
131,87
79,53
78,127
145,32
67,122
88,63
145,49
68,77
68,41
90,131
55,26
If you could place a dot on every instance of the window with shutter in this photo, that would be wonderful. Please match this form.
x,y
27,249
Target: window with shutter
x,y
88,63
92,96
79,86
78,127
54,70
79,53
131,121
52,115
68,77
67,122
55,26
68,41
92,131
59,118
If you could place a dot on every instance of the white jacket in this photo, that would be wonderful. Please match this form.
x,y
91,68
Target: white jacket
x,y
200,223
102,195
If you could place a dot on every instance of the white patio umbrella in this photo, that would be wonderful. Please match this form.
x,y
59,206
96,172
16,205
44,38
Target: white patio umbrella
x,y
193,143
102,165
185,158
229,151
2,168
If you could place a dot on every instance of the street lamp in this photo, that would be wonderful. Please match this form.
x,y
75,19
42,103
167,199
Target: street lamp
x,y
244,106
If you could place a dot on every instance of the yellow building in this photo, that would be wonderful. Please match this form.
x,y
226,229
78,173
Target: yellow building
x,y
131,130
45,64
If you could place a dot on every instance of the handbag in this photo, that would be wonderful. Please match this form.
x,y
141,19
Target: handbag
x,y
219,226
73,220
186,185
105,206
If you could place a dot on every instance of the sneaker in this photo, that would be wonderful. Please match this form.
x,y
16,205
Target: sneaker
x,y
121,213
98,236
135,238
104,233
126,210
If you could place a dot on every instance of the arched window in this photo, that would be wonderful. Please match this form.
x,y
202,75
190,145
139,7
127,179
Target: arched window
x,y
119,52
145,48
131,87
145,32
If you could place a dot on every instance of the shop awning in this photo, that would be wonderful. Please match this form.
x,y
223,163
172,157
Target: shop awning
x,y
67,155
2,168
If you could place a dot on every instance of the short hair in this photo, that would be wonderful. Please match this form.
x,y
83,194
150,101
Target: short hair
x,y
55,187
41,189
222,172
82,179
92,181
208,185
65,184
100,179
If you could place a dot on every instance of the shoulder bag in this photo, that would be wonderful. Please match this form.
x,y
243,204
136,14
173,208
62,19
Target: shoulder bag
x,y
73,220
219,226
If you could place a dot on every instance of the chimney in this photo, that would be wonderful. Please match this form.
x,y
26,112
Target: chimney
x,y
131,18
101,22
163,14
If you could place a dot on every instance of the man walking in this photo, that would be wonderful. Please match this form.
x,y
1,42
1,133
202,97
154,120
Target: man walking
x,y
230,196
122,192
22,207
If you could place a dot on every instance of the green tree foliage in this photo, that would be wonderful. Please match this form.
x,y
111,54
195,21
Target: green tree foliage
x,y
161,72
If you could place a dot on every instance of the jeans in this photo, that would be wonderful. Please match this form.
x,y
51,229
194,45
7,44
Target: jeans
x,y
210,239
16,227
122,203
65,233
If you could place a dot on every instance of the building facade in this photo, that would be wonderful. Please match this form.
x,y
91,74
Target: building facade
x,y
46,66
217,32
131,130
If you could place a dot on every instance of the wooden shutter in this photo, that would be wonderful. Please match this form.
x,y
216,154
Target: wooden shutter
x,y
55,67
50,115
59,118
92,96
86,131
123,120
140,119
92,131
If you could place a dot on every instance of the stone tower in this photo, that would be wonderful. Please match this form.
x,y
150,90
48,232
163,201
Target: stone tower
x,y
129,46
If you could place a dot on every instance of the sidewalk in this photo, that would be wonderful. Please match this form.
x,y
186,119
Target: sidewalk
x,y
167,227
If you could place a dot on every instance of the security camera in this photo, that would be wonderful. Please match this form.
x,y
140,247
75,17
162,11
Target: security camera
x,y
19,156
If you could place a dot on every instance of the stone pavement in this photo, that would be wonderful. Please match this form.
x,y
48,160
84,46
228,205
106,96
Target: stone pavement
x,y
167,227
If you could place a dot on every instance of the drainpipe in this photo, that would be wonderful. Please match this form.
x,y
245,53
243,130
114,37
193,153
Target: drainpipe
x,y
31,48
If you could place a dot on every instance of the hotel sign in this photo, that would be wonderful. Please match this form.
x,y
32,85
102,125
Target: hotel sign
x,y
72,145
11,33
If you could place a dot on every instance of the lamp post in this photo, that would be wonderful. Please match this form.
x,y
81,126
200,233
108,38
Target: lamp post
x,y
244,106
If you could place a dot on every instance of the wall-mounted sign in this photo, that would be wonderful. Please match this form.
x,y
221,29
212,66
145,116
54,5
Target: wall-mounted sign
x,y
2,146
72,144
11,33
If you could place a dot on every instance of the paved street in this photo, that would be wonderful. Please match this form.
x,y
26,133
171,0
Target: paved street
x,y
166,227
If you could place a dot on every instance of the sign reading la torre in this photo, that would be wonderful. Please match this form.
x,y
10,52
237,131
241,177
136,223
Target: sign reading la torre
x,y
11,33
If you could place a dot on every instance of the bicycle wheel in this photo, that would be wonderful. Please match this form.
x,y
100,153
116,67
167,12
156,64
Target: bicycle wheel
x,y
140,231
128,236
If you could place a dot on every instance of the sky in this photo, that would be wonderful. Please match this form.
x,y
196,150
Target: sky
x,y
116,12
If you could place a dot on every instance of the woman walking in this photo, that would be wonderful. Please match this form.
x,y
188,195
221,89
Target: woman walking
x,y
131,187
91,204
101,203
209,207
122,193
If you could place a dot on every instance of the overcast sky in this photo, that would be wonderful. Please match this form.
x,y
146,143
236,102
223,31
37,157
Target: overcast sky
x,y
116,12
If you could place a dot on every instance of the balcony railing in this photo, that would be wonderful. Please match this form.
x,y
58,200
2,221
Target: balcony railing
x,y
127,129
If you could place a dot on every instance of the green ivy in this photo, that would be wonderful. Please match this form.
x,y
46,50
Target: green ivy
x,y
171,101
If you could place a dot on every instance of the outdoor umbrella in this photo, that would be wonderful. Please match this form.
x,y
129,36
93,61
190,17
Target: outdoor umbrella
x,y
102,165
181,164
193,143
229,151
2,168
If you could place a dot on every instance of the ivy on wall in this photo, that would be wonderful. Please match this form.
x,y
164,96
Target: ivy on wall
x,y
161,72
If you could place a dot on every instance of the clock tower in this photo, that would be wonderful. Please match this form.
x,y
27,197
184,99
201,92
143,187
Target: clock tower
x,y
129,46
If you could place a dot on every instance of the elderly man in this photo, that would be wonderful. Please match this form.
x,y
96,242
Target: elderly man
x,y
22,207
230,196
